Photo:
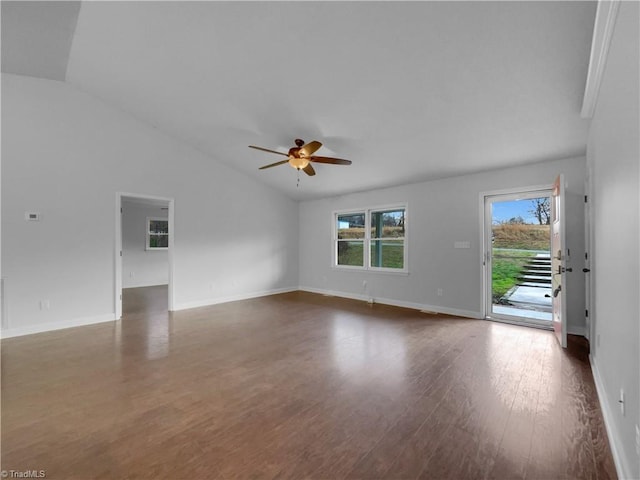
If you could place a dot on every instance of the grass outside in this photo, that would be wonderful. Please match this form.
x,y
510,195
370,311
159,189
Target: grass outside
x,y
510,255
359,232
351,253
527,237
507,266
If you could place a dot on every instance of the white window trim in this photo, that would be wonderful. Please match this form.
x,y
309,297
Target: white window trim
x,y
147,234
367,240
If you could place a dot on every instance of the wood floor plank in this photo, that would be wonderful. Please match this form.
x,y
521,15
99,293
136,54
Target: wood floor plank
x,y
296,386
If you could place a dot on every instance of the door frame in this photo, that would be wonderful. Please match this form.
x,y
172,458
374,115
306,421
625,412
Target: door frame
x,y
117,290
589,281
532,191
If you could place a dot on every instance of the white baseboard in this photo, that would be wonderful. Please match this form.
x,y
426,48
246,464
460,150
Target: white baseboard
x,y
622,468
396,303
48,327
334,293
233,298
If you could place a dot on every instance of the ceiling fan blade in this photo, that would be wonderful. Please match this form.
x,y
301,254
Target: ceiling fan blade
x,y
309,170
267,150
274,164
310,148
334,161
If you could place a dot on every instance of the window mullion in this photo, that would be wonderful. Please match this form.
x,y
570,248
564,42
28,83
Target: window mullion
x,y
367,239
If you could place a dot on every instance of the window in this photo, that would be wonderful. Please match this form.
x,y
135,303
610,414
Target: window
x,y
381,246
350,242
157,234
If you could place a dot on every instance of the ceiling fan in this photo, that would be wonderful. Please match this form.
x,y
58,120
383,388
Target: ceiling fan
x,y
301,156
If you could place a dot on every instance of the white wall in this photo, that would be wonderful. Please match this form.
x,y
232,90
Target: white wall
x,y
141,267
613,154
64,154
440,213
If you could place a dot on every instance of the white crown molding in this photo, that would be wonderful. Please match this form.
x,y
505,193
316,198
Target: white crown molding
x,y
606,15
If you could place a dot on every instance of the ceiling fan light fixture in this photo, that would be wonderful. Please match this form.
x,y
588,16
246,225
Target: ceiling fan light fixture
x,y
298,162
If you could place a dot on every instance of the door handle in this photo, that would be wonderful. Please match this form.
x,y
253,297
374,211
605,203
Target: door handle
x,y
586,270
557,291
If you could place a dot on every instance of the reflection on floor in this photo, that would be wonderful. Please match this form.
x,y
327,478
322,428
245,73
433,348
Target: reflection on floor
x,y
145,321
519,312
300,385
144,300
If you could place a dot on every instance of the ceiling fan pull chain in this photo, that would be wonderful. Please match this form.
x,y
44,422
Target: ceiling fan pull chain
x,y
298,182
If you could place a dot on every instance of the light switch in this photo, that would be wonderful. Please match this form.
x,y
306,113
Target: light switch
x,y
465,244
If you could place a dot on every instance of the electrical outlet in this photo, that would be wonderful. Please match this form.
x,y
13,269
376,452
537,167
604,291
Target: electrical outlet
x,y
621,401
598,340
44,304
440,293
132,274
364,284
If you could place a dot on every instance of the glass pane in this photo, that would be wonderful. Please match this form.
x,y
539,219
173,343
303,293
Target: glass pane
x,y
158,241
350,226
387,253
351,252
158,226
521,274
387,224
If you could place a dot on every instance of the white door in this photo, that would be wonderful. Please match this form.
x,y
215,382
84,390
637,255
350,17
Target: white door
x,y
558,261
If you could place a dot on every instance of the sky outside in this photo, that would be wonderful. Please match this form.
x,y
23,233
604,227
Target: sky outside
x,y
504,211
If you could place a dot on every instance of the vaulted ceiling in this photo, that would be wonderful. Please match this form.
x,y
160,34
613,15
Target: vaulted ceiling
x,y
408,91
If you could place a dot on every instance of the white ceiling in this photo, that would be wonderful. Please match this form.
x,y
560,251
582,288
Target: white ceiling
x,y
408,91
37,36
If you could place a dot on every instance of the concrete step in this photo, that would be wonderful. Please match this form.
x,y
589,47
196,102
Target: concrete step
x,y
535,278
539,268
535,285
534,274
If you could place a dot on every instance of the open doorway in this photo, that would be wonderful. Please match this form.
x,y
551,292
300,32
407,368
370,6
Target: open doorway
x,y
144,254
518,275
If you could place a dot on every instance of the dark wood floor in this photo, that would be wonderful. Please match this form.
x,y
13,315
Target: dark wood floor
x,y
299,386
